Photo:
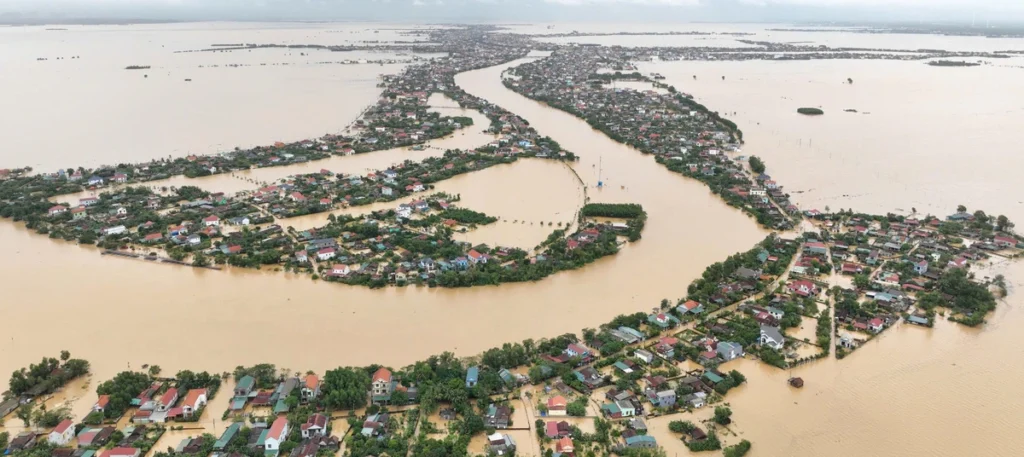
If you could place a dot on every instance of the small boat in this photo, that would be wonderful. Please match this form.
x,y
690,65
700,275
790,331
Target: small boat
x,y
796,382
188,80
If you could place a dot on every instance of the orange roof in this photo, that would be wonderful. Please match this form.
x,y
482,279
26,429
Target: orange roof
x,y
564,445
63,426
193,397
557,401
382,374
312,381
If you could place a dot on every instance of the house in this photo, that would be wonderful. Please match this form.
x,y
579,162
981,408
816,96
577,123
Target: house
x,y
959,262
663,399
645,355
476,257
339,270
211,221
729,350
316,425
25,440
301,257
325,254
921,267
578,350
194,400
500,444
662,320
244,386
122,452
167,400
101,403
310,387
803,288
59,209
227,436
78,213
564,446
375,425
626,407
691,307
747,273
120,177
815,247
94,437
557,405
88,201
557,429
276,434
381,385
115,230
876,325
62,434
498,416
1005,241
771,337
917,320
472,376
641,441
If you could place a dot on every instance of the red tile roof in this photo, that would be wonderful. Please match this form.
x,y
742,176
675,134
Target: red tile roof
x,y
63,426
193,397
277,428
382,374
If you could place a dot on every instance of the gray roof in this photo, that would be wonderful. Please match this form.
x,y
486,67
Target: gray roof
x,y
772,332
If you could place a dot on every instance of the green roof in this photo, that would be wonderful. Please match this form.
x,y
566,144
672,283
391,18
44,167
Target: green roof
x,y
713,377
227,436
246,382
640,439
281,407
238,403
263,437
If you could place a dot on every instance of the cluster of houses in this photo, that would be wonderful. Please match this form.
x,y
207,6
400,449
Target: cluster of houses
x,y
683,136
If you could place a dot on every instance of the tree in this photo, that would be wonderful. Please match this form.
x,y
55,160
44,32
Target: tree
x,y
25,413
65,355
737,450
723,415
861,281
399,397
4,436
154,370
756,164
961,209
1003,223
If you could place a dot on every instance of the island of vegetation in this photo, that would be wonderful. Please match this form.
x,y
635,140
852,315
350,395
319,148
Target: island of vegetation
x,y
654,367
810,111
953,63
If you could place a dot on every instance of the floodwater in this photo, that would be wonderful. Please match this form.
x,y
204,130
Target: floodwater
x,y
95,112
923,137
947,391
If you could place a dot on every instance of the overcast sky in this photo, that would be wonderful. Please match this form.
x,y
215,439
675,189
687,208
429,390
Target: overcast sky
x,y
526,10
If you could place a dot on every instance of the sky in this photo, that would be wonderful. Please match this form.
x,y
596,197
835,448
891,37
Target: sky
x,y
997,11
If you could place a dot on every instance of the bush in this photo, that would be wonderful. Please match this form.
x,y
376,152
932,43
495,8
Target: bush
x,y
738,450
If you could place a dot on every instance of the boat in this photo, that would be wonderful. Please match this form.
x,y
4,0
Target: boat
x,y
796,382
188,80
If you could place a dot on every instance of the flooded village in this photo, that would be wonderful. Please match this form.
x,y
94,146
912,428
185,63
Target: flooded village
x,y
822,285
